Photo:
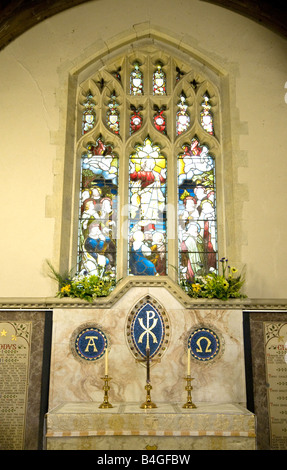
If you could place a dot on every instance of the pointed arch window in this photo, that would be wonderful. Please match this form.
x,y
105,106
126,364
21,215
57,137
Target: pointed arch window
x,y
148,147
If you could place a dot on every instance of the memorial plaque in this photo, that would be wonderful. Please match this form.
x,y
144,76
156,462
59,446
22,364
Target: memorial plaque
x,y
15,347
276,378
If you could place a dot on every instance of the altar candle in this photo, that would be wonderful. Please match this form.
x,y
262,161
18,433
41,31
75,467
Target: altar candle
x,y
106,362
188,361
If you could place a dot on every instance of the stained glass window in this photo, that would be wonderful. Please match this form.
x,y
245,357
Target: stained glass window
x,y
136,80
206,115
147,210
196,211
89,114
98,208
127,122
113,116
159,81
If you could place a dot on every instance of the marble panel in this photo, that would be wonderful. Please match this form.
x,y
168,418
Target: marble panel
x,y
222,380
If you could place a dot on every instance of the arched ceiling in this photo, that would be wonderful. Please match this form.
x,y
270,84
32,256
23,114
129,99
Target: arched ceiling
x,y
17,16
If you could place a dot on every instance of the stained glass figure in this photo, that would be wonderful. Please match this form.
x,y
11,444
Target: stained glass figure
x,y
196,211
136,80
98,208
136,119
113,115
89,114
147,210
159,81
206,117
159,120
182,116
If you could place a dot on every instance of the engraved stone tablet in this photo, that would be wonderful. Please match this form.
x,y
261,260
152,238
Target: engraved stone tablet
x,y
15,344
276,378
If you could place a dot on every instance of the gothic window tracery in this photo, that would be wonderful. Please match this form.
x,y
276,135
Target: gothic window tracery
x,y
148,135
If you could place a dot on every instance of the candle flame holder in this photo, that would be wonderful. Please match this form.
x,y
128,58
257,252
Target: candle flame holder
x,y
106,388
189,404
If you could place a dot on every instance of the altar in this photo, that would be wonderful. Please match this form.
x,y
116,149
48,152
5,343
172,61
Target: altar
x,y
126,426
201,348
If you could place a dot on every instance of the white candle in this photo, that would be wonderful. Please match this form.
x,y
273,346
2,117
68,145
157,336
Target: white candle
x,y
106,362
188,361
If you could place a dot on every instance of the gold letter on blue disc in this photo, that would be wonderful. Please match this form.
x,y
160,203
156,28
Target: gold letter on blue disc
x,y
204,344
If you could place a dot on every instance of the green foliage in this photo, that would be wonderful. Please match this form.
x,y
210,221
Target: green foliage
x,y
223,286
83,287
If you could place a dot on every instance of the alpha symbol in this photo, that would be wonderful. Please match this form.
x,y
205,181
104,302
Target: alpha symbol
x,y
91,343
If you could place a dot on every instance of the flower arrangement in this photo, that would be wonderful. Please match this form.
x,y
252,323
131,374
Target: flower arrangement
x,y
87,287
213,285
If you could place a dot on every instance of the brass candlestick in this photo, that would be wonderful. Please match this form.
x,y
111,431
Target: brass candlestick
x,y
106,389
188,388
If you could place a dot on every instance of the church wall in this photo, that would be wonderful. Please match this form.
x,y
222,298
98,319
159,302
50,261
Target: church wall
x,y
34,73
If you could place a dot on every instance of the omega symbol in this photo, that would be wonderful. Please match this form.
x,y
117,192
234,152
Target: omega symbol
x,y
208,344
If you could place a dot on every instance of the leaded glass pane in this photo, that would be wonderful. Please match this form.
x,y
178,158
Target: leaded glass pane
x,y
182,116
98,209
159,81
206,117
147,210
89,114
136,80
136,119
113,115
159,120
196,211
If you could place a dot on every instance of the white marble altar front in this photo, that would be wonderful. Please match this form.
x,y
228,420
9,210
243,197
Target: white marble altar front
x,y
211,426
220,381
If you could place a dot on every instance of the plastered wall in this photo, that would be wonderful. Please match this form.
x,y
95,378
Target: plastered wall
x,y
34,77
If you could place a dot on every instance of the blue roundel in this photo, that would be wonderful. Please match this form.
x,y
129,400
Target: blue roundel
x,y
204,344
91,344
147,330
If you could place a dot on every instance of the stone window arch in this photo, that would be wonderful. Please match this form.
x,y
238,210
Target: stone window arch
x,y
114,118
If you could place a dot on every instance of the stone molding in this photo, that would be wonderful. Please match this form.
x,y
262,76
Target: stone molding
x,y
130,282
